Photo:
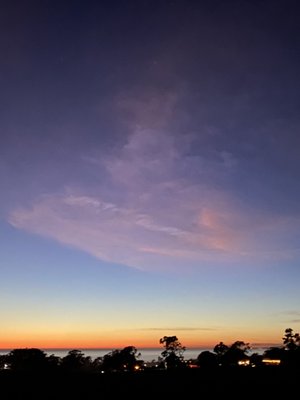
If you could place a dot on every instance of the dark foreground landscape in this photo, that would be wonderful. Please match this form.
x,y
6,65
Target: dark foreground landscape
x,y
228,372
255,383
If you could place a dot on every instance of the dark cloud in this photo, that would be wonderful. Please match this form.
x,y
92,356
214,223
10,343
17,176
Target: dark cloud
x,y
180,328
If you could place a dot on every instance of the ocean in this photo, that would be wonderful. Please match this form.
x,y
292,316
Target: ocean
x,y
146,354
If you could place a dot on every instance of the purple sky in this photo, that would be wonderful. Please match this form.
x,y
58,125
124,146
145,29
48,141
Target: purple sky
x,y
150,147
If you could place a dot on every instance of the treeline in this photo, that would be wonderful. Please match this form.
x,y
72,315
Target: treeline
x,y
238,354
172,357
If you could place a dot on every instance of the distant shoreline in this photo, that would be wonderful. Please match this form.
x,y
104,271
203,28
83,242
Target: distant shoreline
x,y
147,353
254,346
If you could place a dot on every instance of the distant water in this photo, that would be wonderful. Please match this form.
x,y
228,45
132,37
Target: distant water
x,y
146,354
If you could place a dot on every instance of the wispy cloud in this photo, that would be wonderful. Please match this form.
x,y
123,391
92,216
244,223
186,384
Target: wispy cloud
x,y
109,232
178,328
293,313
290,316
158,203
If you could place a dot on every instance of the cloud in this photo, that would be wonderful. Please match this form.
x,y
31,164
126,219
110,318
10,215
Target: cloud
x,y
159,202
291,312
110,232
178,328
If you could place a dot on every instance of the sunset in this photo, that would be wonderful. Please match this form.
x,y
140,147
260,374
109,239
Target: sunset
x,y
149,169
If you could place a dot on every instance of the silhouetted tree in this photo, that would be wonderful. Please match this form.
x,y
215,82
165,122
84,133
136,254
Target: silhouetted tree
x,y
291,340
238,351
275,353
233,354
291,343
173,353
121,360
53,362
27,360
220,349
97,364
76,361
207,359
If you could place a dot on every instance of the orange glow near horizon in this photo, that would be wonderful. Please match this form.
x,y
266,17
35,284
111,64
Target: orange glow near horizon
x,y
118,339
85,336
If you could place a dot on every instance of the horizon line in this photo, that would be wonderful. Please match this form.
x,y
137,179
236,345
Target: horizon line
x,y
254,345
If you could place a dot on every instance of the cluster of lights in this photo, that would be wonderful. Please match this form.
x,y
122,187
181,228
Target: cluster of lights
x,y
244,363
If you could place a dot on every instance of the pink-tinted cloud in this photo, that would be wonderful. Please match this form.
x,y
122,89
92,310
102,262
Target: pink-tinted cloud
x,y
159,205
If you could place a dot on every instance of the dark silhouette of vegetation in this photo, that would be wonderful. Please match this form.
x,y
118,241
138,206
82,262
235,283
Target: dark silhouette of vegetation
x,y
122,360
220,349
233,354
274,353
34,360
207,359
76,361
173,353
291,345
31,360
291,340
288,353
32,374
237,352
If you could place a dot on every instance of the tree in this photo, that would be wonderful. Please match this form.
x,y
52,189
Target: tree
x,y
97,364
238,351
291,343
173,353
233,354
207,359
129,356
53,362
27,360
275,353
75,360
121,360
291,340
220,349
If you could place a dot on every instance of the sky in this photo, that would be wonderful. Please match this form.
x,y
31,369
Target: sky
x,y
149,172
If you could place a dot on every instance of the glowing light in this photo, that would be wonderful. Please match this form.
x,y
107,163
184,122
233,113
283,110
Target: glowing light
x,y
244,363
269,361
